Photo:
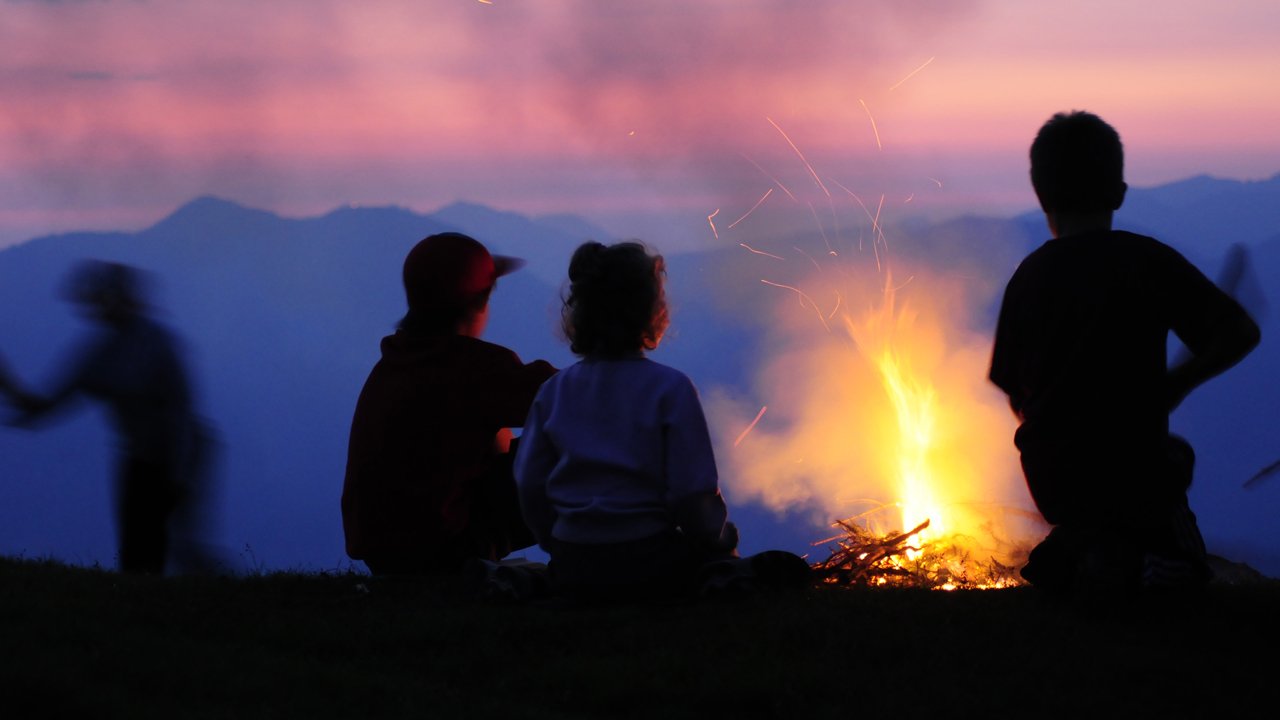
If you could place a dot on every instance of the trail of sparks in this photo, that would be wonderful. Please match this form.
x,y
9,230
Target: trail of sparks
x,y
775,180
875,222
803,298
751,426
874,129
753,208
711,220
800,155
911,74
839,299
936,181
760,252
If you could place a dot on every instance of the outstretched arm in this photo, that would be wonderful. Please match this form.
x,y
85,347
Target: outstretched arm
x,y
30,406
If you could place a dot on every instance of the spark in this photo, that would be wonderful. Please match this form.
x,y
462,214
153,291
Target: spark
x,y
775,180
911,74
936,181
799,155
875,219
874,129
875,224
485,2
760,252
839,299
753,208
910,197
751,426
631,134
810,257
879,238
712,222
854,195
896,289
821,229
803,299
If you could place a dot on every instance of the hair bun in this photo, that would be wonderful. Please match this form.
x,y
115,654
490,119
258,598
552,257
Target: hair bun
x,y
586,262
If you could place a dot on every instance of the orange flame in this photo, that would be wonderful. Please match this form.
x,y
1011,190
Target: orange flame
x,y
900,429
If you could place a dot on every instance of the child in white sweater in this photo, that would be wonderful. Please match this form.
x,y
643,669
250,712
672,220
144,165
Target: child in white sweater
x,y
615,470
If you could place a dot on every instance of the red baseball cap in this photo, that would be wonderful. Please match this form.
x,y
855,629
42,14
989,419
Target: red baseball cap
x,y
450,270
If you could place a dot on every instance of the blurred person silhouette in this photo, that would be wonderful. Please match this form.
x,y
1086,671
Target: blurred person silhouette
x,y
428,479
1080,349
134,366
615,467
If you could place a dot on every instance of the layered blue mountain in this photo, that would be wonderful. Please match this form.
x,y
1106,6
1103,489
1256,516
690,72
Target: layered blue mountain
x,y
283,316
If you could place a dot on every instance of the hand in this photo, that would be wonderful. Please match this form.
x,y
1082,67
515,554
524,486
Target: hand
x,y
503,440
727,543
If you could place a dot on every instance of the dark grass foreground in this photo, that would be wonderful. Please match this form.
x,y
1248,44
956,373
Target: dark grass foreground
x,y
87,643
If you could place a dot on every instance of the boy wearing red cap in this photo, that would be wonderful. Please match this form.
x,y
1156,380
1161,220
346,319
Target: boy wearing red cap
x,y
428,482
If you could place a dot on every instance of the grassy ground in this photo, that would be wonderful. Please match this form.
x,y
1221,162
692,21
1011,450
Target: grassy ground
x,y
87,643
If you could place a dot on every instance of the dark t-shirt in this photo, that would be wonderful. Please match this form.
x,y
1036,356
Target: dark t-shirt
x,y
1080,350
423,438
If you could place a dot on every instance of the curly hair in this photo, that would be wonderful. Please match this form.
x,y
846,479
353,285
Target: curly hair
x,y
616,304
1077,164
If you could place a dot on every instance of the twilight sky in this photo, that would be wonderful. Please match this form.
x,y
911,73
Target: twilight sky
x,y
635,114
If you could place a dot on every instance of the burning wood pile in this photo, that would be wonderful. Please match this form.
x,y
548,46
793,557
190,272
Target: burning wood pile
x,y
860,557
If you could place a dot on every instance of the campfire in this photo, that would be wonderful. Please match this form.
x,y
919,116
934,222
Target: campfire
x,y
864,558
876,408
882,417
926,555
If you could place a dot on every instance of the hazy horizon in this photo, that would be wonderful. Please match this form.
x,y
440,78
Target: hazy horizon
x,y
643,118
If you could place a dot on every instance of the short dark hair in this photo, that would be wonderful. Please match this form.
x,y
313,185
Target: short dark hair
x,y
616,304
1077,164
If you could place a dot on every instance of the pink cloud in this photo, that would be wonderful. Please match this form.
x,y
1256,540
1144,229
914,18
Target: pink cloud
x,y
663,97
